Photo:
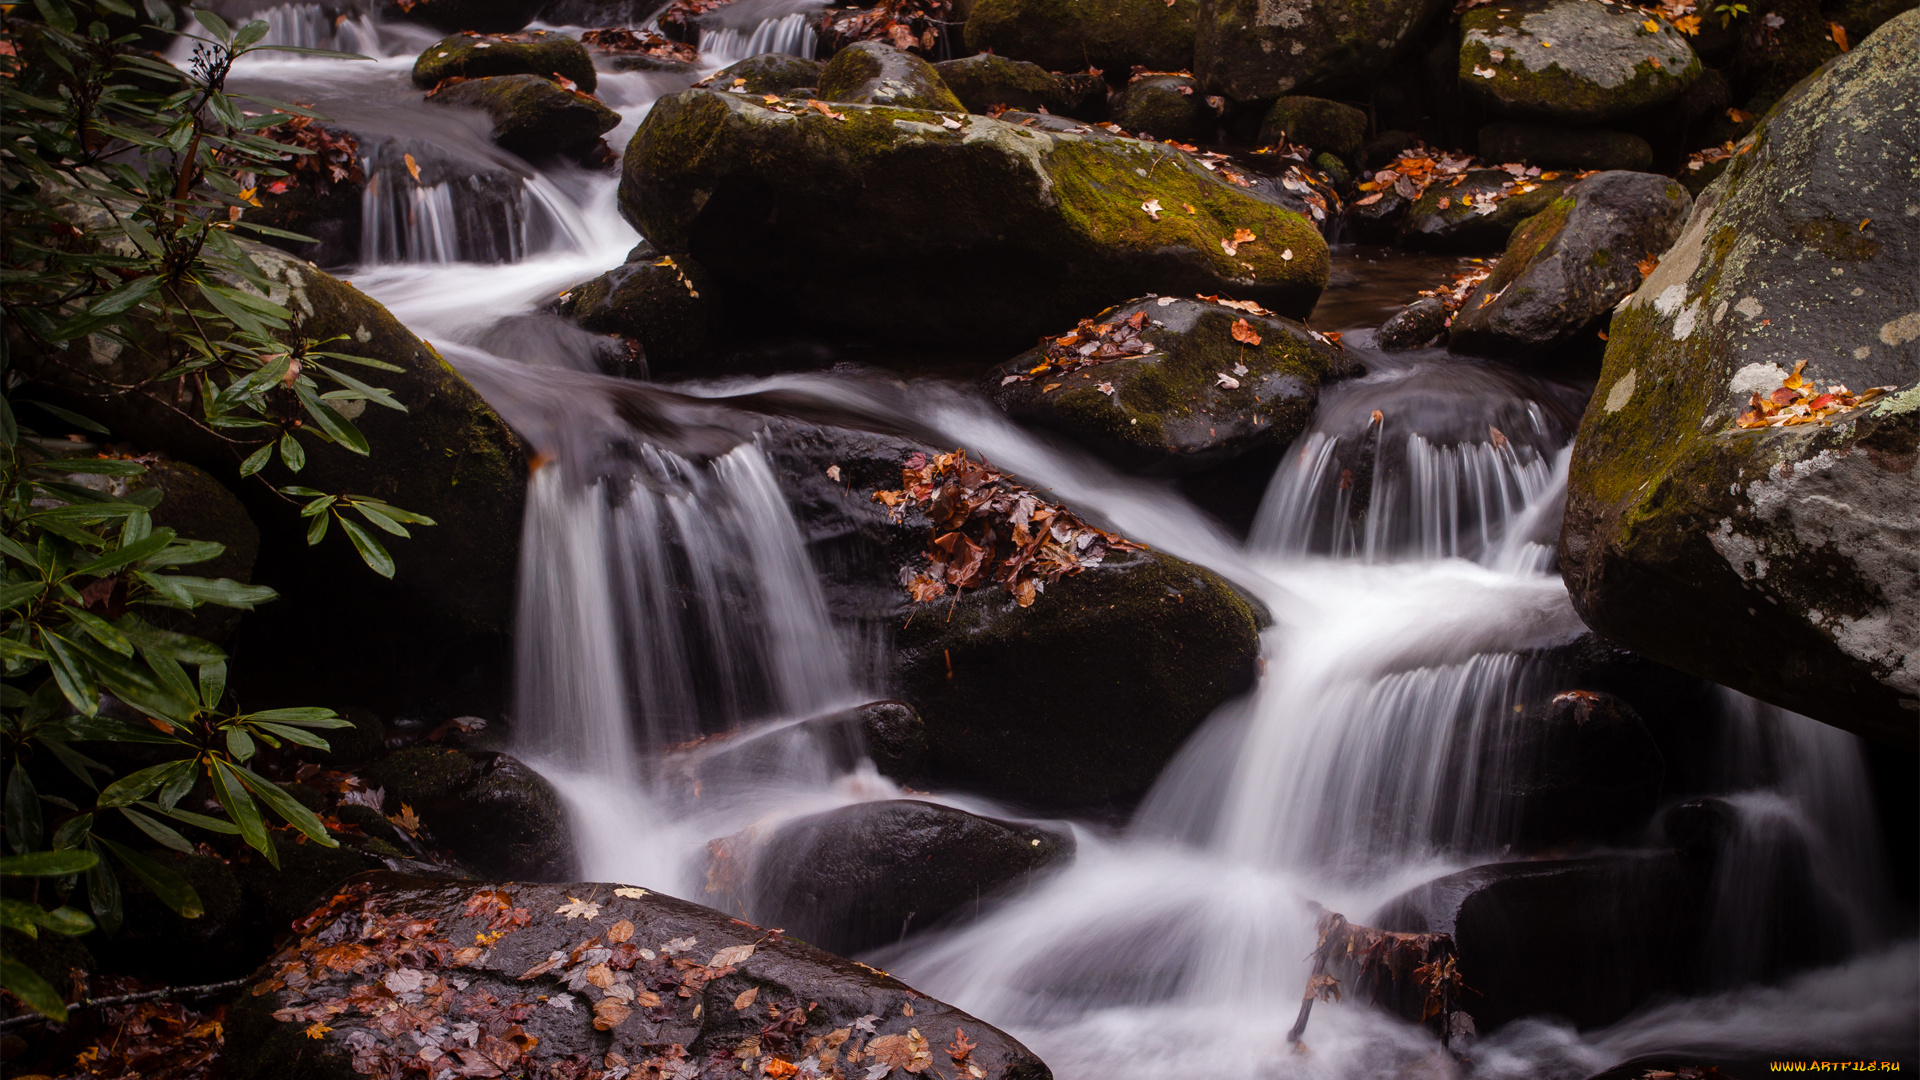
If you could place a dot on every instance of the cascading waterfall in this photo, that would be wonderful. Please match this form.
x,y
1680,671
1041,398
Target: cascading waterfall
x,y
791,34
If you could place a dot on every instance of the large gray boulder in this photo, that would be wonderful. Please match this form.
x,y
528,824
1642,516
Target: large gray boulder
x,y
875,73
1577,61
1566,267
1783,561
1251,50
502,978
919,225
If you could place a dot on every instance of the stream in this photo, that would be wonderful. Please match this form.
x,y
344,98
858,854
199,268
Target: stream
x,y
1177,941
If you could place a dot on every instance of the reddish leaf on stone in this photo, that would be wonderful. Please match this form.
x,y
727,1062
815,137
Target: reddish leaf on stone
x,y
1244,332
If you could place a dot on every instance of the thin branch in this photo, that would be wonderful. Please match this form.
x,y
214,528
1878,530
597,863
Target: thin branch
x,y
128,999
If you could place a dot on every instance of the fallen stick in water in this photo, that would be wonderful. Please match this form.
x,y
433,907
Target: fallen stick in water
x,y
1385,965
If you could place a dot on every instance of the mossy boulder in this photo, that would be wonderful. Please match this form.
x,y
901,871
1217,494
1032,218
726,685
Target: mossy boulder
x,y
859,877
1452,217
480,16
494,814
1074,35
479,56
1253,50
1080,700
1568,266
892,223
985,80
1317,123
1420,323
1171,411
1164,107
533,116
1556,146
1780,560
1578,61
769,73
875,73
666,303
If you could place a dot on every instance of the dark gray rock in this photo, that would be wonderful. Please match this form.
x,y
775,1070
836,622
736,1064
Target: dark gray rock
x,y
666,303
667,1004
1112,35
1566,268
866,875
533,116
1574,61
1251,50
1459,226
1582,768
1779,560
1422,322
769,73
875,73
985,80
477,56
492,812
1164,107
1316,122
1557,147
1170,411
154,942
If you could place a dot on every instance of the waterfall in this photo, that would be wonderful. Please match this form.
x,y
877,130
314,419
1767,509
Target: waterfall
x,y
792,34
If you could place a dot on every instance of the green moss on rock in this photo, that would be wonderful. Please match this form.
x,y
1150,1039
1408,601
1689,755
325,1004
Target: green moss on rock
x,y
1073,35
1256,50
477,56
1571,60
769,73
875,73
1317,123
985,80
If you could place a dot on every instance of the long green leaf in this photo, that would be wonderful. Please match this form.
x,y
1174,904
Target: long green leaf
x,y
164,835
370,550
287,807
25,827
332,422
172,889
47,863
134,786
33,991
128,553
239,806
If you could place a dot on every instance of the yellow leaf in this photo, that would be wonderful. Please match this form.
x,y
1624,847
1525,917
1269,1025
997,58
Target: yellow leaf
x,y
413,167
317,1030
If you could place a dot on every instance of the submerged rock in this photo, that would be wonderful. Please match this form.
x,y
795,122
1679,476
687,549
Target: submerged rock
x,y
919,225
875,73
1566,267
1420,323
571,977
1164,107
1201,396
1112,35
769,73
1316,122
1778,560
1251,50
667,304
1080,700
477,56
985,80
866,875
495,814
533,116
1451,217
1579,61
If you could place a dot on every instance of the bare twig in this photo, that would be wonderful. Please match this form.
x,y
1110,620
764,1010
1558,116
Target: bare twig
x,y
128,999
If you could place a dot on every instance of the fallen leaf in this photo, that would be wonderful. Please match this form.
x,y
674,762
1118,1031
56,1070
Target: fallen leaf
x,y
1485,73
833,473
406,820
950,123
576,908
1647,264
1839,36
1244,332
1651,26
678,945
608,1014
629,892
745,999
317,1030
1227,381
1152,207
731,956
413,167
1287,255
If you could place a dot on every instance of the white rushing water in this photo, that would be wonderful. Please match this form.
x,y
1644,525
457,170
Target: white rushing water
x,y
670,617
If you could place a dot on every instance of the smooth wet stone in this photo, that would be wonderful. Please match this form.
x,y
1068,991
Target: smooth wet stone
x,y
769,73
1254,50
1778,561
1582,769
533,116
476,56
1577,61
735,975
1164,107
939,227
496,815
665,303
1567,267
1418,324
875,73
1112,35
867,875
1315,122
1459,226
985,80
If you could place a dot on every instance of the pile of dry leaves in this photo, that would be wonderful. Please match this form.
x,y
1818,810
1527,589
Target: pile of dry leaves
x,y
1461,284
904,24
986,528
1414,171
1383,965
150,1040
678,17
1087,345
631,42
334,156
1726,151
1798,401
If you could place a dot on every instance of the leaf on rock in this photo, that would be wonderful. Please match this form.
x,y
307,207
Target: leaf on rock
x,y
576,908
731,956
629,892
1244,332
1152,207
745,998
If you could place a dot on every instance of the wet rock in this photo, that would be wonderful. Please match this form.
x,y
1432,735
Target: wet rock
x,y
1777,44
1586,940
770,73
480,16
1081,699
1164,107
1170,411
154,942
1558,147
1568,266
1251,50
1576,61
1338,174
626,61
666,303
533,116
1315,122
557,1009
1420,323
388,644
1378,222
1460,226
1776,560
495,814
308,874
934,225
1699,828
1582,769
868,874
478,56
1683,713
314,204
1112,35
875,73
985,80
1863,17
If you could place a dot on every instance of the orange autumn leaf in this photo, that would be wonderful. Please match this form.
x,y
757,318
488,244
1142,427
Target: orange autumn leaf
x,y
1244,332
